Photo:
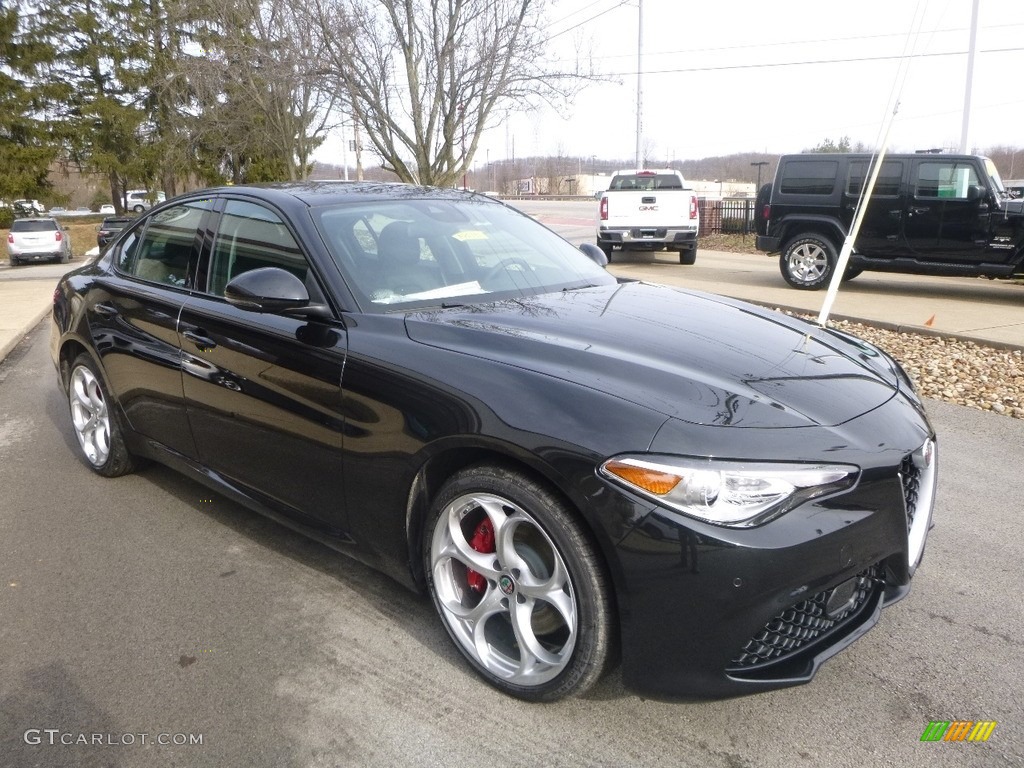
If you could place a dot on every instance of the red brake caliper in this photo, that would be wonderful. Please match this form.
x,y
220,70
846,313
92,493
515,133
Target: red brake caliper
x,y
482,541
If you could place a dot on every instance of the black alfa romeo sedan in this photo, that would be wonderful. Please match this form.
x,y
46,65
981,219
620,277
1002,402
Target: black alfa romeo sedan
x,y
577,469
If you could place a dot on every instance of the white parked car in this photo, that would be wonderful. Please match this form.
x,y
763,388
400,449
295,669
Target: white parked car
x,y
38,239
107,209
140,200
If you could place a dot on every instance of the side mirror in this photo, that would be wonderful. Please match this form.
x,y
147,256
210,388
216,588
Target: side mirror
x,y
975,192
274,291
595,254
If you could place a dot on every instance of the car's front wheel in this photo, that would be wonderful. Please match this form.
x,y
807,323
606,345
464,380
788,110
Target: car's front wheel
x,y
807,262
518,584
96,426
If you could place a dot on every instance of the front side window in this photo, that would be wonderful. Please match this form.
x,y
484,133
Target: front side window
x,y
251,236
947,179
809,177
167,248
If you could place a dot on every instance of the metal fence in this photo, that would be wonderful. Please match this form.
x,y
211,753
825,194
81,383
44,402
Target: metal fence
x,y
735,217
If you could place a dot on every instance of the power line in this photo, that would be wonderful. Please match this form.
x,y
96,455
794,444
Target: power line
x,y
587,21
727,67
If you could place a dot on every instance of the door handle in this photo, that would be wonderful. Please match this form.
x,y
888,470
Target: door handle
x,y
105,309
917,210
202,342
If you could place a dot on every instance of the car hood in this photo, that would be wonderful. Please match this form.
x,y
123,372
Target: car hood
x,y
692,356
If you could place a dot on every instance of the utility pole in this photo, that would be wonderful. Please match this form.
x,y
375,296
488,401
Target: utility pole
x,y
640,162
760,164
970,77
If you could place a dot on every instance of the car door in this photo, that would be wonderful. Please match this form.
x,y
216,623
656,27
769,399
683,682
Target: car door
x,y
945,218
133,317
881,231
263,390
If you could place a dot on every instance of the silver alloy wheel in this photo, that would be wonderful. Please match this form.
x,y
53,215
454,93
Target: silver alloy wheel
x,y
808,262
89,415
522,628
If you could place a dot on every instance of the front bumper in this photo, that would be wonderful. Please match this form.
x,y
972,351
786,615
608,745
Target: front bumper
x,y
648,238
710,611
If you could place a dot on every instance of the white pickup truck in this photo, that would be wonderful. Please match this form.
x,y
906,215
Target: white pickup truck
x,y
649,210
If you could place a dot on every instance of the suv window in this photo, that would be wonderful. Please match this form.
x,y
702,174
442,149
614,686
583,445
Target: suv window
x,y
809,177
887,184
34,225
948,179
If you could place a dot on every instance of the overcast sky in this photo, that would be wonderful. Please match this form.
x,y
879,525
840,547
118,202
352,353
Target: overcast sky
x,y
757,75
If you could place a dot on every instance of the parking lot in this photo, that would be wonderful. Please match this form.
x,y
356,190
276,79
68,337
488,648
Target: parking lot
x,y
147,606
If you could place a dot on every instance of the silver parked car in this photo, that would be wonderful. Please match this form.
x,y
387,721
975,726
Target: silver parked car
x,y
38,239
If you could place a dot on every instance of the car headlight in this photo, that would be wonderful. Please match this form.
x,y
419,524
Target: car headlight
x,y
733,493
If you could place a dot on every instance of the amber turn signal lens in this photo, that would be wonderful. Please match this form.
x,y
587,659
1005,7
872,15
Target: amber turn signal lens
x,y
650,480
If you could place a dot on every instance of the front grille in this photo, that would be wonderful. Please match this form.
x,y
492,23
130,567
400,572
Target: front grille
x,y
911,477
802,624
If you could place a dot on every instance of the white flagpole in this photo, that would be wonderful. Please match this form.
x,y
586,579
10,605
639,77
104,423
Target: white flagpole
x,y
865,196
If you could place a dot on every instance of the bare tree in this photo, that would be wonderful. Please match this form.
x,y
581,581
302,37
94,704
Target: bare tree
x,y
255,85
424,78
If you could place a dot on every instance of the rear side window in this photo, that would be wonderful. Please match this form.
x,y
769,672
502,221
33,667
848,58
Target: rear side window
x,y
945,179
809,177
887,184
33,225
167,248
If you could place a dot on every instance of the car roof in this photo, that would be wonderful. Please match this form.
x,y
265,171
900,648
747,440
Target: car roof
x,y
317,193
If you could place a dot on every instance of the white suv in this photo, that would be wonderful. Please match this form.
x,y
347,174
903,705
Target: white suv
x,y
38,239
139,200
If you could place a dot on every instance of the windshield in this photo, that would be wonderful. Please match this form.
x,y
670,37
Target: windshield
x,y
993,173
415,253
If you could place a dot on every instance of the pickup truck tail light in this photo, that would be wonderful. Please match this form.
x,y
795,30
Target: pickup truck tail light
x,y
693,206
59,237
604,209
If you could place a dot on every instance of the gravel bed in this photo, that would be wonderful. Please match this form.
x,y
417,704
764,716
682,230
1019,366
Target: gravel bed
x,y
959,372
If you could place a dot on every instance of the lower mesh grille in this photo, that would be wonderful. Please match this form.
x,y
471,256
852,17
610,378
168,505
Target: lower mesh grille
x,y
911,477
804,623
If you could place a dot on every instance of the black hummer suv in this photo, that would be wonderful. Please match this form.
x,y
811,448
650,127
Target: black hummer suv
x,y
930,214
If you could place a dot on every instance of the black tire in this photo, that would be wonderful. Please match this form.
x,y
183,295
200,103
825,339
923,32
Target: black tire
x,y
807,262
851,272
14,262
95,421
688,257
139,208
607,250
65,257
567,641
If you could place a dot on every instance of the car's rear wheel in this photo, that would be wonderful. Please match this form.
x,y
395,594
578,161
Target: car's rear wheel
x,y
139,208
96,426
65,257
607,249
518,584
807,262
688,257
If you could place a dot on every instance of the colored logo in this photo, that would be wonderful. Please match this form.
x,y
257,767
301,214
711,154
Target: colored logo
x,y
958,730
506,585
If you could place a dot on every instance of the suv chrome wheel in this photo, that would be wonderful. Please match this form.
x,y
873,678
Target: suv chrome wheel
x,y
807,262
95,424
